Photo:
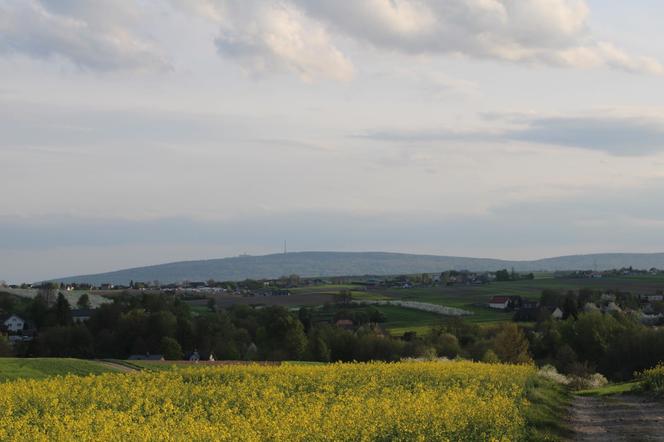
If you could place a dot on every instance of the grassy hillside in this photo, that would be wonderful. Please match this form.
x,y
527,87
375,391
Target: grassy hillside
x,y
41,368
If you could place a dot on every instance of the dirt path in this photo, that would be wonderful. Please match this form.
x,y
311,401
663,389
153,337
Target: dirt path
x,y
117,367
617,418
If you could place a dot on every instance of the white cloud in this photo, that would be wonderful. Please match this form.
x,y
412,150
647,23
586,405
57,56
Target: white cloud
x,y
552,32
264,36
95,35
622,133
305,36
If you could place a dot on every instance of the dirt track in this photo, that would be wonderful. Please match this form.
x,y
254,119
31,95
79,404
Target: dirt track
x,y
617,418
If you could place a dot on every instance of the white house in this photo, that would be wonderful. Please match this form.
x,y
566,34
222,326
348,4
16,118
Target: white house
x,y
499,302
557,313
608,297
13,323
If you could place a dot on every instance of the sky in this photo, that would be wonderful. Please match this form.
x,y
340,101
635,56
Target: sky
x,y
137,132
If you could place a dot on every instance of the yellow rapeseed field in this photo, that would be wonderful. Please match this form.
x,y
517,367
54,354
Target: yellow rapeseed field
x,y
422,401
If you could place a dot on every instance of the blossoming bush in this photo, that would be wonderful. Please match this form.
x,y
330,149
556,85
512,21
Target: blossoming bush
x,y
653,379
422,401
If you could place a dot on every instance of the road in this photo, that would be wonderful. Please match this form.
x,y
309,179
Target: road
x,y
617,418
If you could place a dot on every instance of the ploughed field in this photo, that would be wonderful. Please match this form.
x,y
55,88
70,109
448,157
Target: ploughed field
x,y
374,401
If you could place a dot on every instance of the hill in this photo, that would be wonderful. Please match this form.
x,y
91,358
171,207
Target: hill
x,y
355,263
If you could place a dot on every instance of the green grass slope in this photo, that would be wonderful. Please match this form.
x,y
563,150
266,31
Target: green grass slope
x,y
41,368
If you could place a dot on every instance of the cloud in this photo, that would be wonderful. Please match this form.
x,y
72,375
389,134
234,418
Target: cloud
x,y
95,36
609,132
302,35
623,136
305,36
264,36
552,32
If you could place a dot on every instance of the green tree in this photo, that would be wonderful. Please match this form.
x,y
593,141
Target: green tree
x,y
570,306
83,301
502,275
318,348
170,349
551,298
343,297
212,304
511,345
38,310
5,347
490,357
62,310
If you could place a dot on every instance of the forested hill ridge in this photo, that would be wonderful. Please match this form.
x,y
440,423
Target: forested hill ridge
x,y
356,264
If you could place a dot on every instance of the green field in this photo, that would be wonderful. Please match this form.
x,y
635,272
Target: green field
x,y
400,320
325,288
41,368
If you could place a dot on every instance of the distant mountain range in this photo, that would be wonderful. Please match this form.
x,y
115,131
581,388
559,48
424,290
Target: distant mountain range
x,y
355,264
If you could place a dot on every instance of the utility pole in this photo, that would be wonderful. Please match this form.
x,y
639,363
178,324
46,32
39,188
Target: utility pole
x,y
285,249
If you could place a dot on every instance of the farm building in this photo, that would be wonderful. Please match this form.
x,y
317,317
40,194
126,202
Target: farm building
x,y
499,302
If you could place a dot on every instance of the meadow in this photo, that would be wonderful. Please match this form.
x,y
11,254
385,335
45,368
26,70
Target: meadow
x,y
41,368
445,401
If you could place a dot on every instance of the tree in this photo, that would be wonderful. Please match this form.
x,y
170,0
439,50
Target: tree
x,y
551,298
47,291
83,301
170,349
38,310
570,308
490,357
212,304
281,335
5,347
502,275
343,297
511,345
62,310
318,348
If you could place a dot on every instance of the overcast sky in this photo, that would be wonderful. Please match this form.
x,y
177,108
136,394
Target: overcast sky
x,y
137,132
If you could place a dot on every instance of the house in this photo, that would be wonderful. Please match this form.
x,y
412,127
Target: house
x,y
146,357
80,315
611,307
557,313
608,297
499,302
590,307
529,304
12,323
652,298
